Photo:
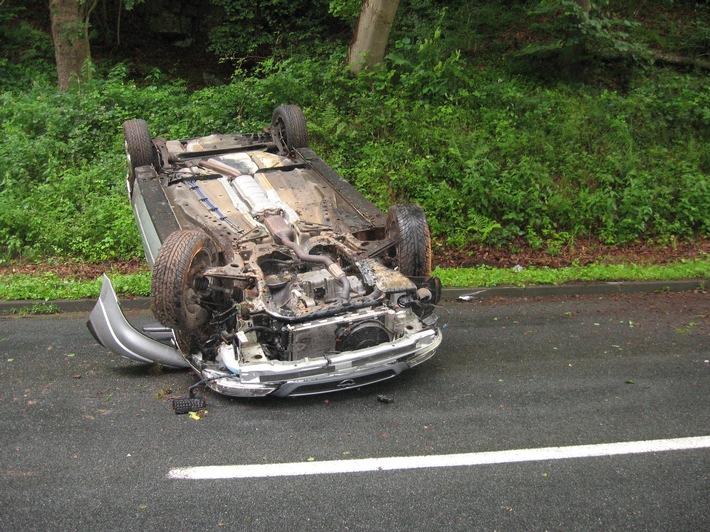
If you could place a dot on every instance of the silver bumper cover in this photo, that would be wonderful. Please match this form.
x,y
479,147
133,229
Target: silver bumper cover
x,y
110,328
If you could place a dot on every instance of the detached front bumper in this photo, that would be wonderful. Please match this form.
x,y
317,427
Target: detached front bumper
x,y
110,328
328,373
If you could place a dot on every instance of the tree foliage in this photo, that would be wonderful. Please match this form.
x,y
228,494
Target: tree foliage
x,y
494,152
254,29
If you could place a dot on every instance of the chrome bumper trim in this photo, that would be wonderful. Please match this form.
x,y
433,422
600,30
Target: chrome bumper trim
x,y
347,370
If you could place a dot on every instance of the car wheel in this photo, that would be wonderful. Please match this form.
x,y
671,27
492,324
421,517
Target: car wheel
x,y
139,147
407,225
288,128
178,282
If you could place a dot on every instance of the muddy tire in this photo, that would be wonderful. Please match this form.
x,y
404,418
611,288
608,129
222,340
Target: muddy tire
x,y
139,147
407,225
288,128
178,284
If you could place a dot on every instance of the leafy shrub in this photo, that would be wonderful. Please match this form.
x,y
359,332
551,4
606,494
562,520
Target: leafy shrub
x,y
258,29
565,31
26,54
491,156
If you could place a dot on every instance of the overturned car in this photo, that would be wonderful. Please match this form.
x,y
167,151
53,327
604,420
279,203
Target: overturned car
x,y
271,275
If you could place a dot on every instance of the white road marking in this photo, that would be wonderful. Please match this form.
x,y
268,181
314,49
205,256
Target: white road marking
x,y
447,460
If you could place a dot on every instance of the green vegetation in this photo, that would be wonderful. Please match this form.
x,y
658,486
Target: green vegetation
x,y
38,308
50,287
487,276
247,29
471,118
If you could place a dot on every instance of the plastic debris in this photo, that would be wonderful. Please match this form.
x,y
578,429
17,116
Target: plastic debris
x,y
189,404
469,297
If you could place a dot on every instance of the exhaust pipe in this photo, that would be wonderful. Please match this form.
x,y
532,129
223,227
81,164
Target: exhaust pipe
x,y
284,235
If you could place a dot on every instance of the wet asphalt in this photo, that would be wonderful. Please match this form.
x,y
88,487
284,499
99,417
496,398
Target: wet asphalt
x,y
88,438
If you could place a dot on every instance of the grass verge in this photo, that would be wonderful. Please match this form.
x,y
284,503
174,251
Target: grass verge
x,y
49,286
488,277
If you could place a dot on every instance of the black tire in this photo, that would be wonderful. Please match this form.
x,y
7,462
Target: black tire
x,y
288,128
407,225
139,147
178,283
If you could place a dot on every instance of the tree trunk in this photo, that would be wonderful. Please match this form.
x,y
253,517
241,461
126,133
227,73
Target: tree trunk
x,y
585,5
373,29
571,57
71,41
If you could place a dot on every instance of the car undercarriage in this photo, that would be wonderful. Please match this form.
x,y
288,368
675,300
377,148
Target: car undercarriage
x,y
271,274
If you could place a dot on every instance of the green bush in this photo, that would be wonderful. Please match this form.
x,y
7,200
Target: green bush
x,y
26,55
491,155
261,29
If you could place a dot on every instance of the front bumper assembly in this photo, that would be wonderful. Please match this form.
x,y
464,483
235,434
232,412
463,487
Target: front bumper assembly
x,y
110,328
329,373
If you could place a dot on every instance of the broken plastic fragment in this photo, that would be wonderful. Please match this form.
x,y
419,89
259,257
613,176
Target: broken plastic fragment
x,y
469,297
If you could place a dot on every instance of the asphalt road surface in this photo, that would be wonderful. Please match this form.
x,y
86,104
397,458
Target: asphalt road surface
x,y
89,440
